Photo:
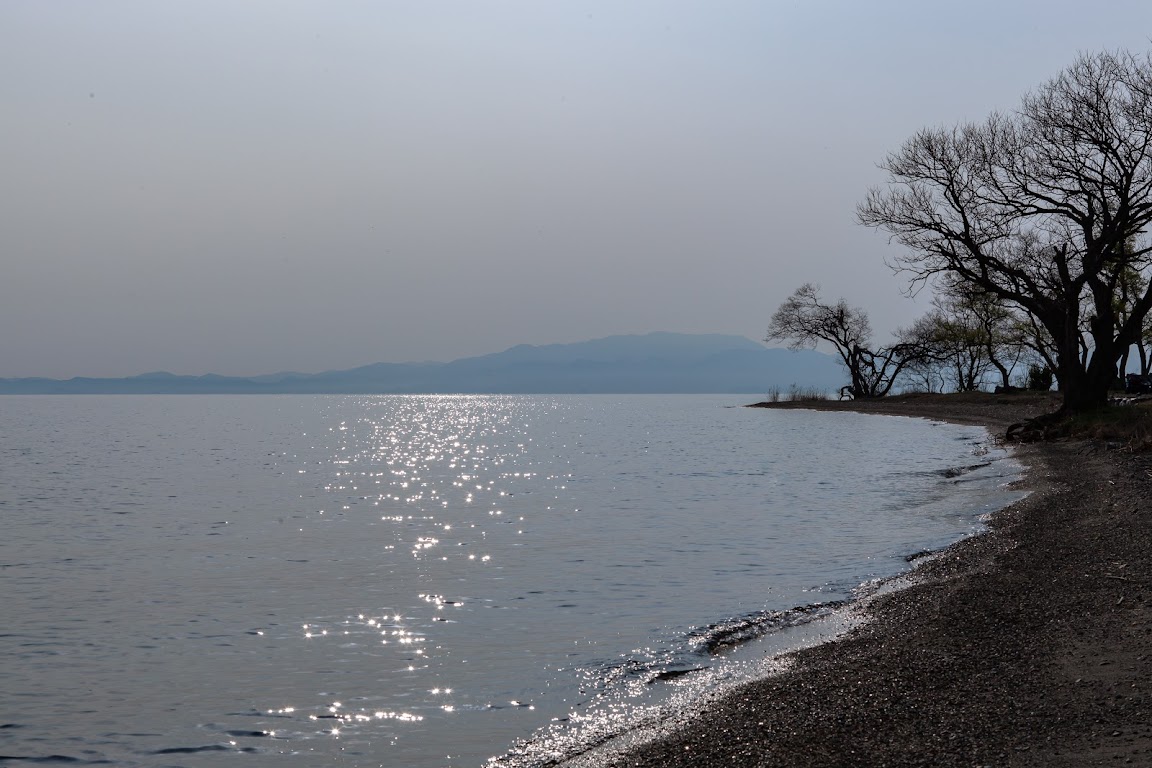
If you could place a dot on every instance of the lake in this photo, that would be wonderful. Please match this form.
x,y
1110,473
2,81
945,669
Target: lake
x,y
428,581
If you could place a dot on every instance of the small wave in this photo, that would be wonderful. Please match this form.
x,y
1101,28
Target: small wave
x,y
702,643
726,634
646,671
581,733
208,748
672,674
947,472
51,759
958,471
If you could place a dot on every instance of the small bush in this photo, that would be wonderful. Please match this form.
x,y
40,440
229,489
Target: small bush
x,y
1130,426
802,394
773,394
1039,378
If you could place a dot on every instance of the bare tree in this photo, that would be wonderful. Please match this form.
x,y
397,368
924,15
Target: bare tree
x,y
1043,209
981,330
954,349
803,320
1142,349
1131,285
924,376
1040,349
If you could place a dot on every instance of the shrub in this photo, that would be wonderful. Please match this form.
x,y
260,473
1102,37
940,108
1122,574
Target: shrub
x,y
1039,378
800,394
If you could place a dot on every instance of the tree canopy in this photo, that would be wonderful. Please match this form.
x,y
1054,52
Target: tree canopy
x,y
804,320
1044,209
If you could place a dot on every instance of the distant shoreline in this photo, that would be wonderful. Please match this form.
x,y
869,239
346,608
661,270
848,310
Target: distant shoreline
x,y
1028,645
994,412
653,363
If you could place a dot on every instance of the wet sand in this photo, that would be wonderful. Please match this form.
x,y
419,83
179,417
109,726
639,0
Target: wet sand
x,y
1029,645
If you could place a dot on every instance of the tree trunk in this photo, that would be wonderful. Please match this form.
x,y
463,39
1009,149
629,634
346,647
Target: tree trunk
x,y
1004,377
1086,387
1081,393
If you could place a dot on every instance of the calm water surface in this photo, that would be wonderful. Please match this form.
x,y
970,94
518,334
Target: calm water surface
x,y
423,580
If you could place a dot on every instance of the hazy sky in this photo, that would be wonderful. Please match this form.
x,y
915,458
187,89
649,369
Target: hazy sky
x,y
248,187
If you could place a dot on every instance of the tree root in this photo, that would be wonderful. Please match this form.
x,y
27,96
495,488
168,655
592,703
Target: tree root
x,y
1047,427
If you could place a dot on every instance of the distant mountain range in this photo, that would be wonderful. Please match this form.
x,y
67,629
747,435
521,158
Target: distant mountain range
x,y
652,363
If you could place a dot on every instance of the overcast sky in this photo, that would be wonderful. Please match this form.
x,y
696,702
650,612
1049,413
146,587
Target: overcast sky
x,y
249,187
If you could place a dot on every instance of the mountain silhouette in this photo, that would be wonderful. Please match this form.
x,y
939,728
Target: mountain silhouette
x,y
652,363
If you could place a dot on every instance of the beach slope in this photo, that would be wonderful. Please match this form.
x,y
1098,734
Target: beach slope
x,y
1030,645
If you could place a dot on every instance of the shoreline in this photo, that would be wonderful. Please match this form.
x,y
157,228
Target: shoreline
x,y
1029,644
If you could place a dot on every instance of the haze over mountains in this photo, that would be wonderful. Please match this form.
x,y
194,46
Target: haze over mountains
x,y
652,363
